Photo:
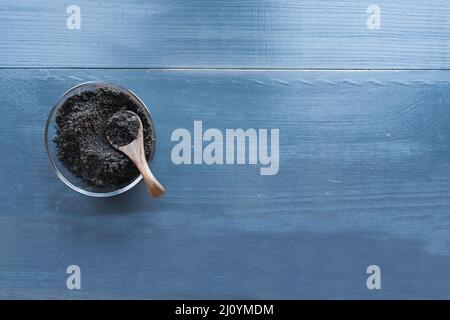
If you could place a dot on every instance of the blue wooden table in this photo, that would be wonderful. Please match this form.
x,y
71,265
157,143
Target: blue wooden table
x,y
364,150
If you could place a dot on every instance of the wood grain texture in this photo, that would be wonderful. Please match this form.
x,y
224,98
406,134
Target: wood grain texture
x,y
226,34
364,179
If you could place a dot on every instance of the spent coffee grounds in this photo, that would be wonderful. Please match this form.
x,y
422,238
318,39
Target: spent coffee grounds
x,y
81,139
122,128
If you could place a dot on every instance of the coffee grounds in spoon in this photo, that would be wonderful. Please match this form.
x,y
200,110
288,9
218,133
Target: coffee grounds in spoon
x,y
81,140
122,128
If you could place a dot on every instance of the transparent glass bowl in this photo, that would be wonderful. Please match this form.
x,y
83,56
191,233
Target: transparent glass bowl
x,y
50,132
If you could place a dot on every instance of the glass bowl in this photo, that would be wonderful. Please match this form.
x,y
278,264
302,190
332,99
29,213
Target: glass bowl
x,y
50,132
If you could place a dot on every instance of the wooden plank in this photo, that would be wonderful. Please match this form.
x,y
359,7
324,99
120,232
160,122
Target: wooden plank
x,y
226,34
364,179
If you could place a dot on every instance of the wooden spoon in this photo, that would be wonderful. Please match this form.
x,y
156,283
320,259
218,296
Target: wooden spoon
x,y
135,151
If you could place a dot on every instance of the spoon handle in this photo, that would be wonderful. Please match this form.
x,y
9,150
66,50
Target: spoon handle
x,y
137,155
154,187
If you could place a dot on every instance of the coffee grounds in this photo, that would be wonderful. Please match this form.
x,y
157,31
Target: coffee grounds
x,y
81,141
123,128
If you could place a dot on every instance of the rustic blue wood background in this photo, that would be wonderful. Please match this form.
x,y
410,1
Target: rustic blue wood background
x,y
364,157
